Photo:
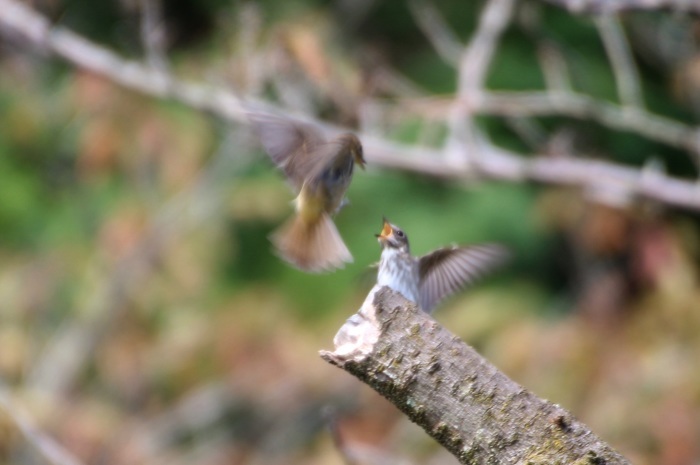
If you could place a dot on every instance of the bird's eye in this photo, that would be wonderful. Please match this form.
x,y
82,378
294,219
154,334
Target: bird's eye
x,y
399,233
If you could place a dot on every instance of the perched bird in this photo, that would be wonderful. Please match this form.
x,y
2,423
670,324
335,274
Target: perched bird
x,y
319,171
429,279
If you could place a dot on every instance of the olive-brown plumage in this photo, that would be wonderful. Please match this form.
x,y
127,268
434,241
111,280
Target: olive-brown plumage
x,y
319,171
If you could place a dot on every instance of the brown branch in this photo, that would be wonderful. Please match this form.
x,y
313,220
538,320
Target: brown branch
x,y
495,163
460,399
611,6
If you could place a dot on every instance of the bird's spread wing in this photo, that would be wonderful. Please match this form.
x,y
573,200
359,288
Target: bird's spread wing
x,y
447,270
298,149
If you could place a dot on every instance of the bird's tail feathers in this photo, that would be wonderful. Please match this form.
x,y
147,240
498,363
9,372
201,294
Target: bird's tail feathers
x,y
311,245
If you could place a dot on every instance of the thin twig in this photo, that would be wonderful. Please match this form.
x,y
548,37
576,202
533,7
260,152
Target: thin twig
x,y
464,136
556,73
153,33
444,41
655,127
549,53
612,6
623,66
572,104
477,56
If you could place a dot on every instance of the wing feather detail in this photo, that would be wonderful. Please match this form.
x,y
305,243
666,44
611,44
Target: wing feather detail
x,y
298,149
450,269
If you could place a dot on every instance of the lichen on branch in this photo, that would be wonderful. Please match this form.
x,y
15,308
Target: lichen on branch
x,y
470,407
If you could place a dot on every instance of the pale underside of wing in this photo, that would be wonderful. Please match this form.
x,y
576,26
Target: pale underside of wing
x,y
298,149
447,270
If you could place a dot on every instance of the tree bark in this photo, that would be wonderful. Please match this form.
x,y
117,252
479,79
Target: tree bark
x,y
460,399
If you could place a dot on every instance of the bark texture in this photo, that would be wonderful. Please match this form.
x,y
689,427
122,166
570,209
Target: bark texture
x,y
460,399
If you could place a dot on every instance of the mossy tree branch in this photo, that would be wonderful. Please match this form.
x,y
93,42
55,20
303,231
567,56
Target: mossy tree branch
x,y
460,399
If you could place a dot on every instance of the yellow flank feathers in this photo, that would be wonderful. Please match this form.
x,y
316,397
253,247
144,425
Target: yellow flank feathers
x,y
310,205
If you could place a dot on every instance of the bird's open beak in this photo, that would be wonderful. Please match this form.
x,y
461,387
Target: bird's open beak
x,y
386,233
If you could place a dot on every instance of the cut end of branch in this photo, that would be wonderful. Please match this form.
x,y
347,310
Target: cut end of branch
x,y
460,399
356,339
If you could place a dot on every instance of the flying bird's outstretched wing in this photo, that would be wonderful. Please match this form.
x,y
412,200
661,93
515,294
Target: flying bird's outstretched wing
x,y
298,149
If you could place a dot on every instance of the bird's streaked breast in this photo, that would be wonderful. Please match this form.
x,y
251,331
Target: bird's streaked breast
x,y
399,271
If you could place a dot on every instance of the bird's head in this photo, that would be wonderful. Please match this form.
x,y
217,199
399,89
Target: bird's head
x,y
392,237
355,147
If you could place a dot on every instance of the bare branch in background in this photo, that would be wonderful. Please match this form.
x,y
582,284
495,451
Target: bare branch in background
x,y
53,452
466,404
612,6
658,128
493,162
444,41
250,67
573,104
153,34
626,75
474,65
549,53
556,73
477,56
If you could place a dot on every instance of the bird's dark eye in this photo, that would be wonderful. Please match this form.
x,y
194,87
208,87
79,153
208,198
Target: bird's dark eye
x,y
399,233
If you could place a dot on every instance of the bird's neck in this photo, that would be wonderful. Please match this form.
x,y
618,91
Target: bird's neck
x,y
399,271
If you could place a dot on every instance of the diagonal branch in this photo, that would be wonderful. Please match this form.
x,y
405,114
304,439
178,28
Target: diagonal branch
x,y
572,104
441,37
153,33
612,6
474,64
618,50
52,451
554,68
495,163
476,58
466,404
654,127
